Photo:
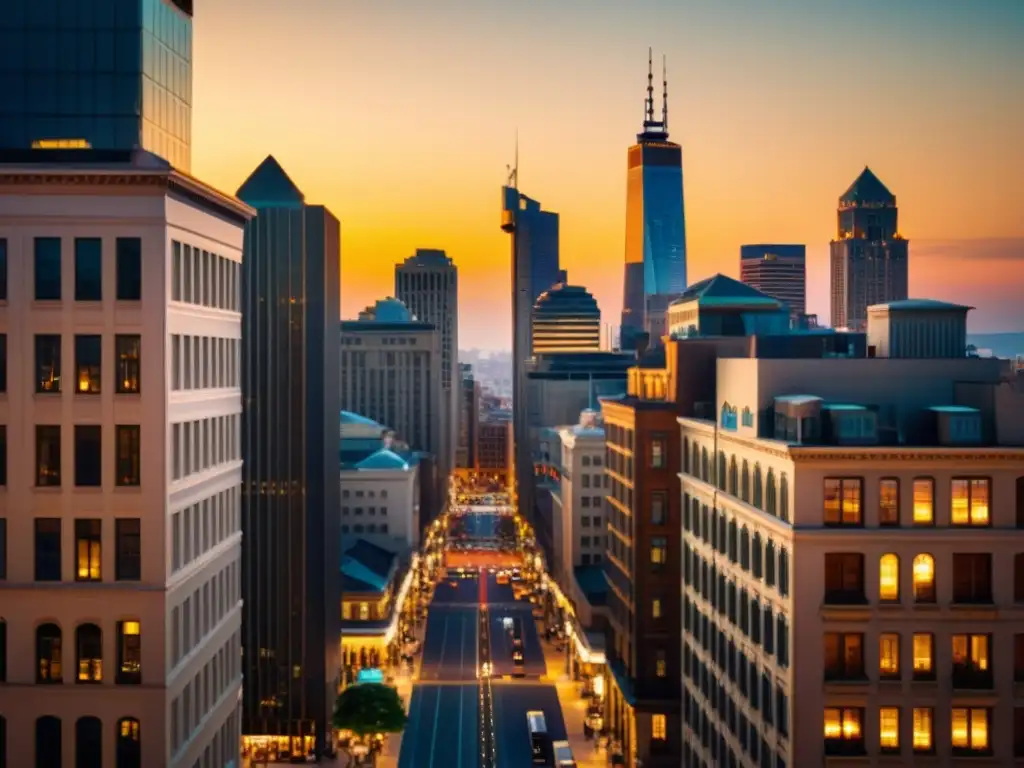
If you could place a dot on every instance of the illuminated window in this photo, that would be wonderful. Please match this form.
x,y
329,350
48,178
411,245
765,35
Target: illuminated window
x,y
129,653
129,450
48,354
844,731
659,551
656,608
364,611
87,550
128,357
889,656
924,656
970,501
970,731
889,501
923,729
89,649
48,654
843,501
889,578
971,663
889,729
924,501
88,364
660,664
924,579
659,727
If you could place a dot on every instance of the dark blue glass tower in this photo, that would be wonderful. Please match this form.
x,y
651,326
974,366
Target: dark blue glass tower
x,y
115,74
655,218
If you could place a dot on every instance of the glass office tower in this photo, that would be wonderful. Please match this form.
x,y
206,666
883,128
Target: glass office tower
x,y
113,74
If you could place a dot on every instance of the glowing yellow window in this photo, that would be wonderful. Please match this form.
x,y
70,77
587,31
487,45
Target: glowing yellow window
x,y
924,656
971,651
970,729
970,501
924,579
843,724
924,501
659,727
923,725
656,608
364,611
889,729
889,578
889,656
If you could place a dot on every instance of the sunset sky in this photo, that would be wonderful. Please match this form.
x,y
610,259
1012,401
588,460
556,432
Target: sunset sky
x,y
401,115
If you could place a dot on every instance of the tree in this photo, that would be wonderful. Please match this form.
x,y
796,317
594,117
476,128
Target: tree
x,y
368,708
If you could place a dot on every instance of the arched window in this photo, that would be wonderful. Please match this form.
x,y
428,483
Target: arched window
x,y
889,578
129,745
48,655
769,563
48,742
734,477
695,461
784,498
744,548
720,474
783,572
758,488
723,544
770,494
89,653
757,555
686,455
88,743
745,482
705,468
733,540
924,579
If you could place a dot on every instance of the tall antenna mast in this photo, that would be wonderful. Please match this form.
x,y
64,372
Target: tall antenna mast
x,y
513,170
650,86
664,94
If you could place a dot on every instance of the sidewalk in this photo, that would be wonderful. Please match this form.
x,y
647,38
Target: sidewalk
x,y
574,710
388,758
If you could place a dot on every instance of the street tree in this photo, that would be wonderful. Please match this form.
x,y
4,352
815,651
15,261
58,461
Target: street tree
x,y
369,708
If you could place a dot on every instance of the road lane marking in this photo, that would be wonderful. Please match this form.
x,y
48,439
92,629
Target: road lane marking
x,y
458,750
433,736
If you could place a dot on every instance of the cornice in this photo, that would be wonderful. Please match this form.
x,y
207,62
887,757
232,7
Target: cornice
x,y
85,178
908,455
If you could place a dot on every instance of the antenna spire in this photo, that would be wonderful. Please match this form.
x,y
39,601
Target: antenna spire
x,y
649,117
664,94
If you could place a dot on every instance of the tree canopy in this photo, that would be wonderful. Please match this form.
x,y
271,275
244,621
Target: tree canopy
x,y
367,708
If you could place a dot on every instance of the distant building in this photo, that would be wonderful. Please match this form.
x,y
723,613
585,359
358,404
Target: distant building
x,y
869,261
566,318
110,76
655,217
917,328
380,499
428,284
469,418
779,271
493,447
391,373
722,306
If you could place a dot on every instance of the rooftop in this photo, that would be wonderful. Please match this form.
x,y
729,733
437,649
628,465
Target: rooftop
x,y
383,459
428,257
270,187
919,305
721,290
366,567
593,583
348,417
867,189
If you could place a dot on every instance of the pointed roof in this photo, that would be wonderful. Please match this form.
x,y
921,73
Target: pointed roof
x,y
270,187
723,290
383,459
867,188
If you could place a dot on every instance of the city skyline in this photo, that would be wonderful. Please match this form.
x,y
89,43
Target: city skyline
x,y
767,149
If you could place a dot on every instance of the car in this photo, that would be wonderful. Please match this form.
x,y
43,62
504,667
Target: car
x,y
518,664
453,583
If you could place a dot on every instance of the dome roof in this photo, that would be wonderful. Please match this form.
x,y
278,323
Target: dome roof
x,y
391,310
347,417
574,300
383,459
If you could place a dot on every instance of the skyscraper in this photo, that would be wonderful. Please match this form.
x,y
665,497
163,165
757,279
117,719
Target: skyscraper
x,y
108,75
469,417
779,271
291,560
655,217
869,256
534,270
428,284
566,318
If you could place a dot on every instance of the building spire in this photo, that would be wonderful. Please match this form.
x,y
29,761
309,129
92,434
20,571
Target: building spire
x,y
664,94
649,116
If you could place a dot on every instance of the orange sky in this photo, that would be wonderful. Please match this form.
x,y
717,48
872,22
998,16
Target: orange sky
x,y
401,117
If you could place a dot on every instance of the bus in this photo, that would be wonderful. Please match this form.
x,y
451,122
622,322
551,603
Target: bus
x,y
540,741
517,632
563,755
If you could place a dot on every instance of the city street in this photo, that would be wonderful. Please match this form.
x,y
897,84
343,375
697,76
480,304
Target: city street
x,y
512,700
443,729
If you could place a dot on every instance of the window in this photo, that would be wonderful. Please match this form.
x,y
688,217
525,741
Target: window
x,y
128,566
970,730
88,742
659,727
48,742
3,665
658,453
659,552
129,748
88,550
844,731
924,579
1018,658
923,729
3,362
972,578
88,269
88,364
656,608
889,578
924,501
47,268
129,653
658,502
844,578
47,363
47,456
3,549
844,656
889,656
3,269
88,456
888,501
1018,731
924,656
129,447
129,269
970,501
3,456
972,669
48,549
1018,577
889,729
843,501
128,356
89,654
660,663
48,654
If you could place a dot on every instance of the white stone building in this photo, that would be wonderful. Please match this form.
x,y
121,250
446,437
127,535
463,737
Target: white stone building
x,y
380,501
